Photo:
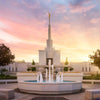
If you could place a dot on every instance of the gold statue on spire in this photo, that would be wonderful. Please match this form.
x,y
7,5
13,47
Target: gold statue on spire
x,y
49,15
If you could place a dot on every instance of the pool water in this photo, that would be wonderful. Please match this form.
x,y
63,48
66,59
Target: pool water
x,y
35,81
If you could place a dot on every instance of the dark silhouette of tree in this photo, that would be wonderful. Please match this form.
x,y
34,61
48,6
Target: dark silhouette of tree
x,y
96,58
33,62
6,56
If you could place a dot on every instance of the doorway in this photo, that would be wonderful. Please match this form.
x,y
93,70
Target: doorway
x,y
47,61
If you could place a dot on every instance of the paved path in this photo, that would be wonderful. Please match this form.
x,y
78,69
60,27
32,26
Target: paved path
x,y
49,98
23,96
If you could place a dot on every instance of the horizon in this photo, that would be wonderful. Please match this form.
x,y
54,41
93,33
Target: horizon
x,y
74,28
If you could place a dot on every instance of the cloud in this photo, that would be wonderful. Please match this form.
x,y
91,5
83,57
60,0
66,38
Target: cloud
x,y
29,31
95,20
24,26
32,4
49,1
79,6
80,9
8,38
60,8
79,2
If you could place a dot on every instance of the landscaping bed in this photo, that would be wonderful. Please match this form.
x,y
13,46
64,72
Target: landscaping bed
x,y
92,77
2,76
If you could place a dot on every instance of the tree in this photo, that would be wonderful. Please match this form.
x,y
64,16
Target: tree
x,y
66,62
6,56
33,62
96,58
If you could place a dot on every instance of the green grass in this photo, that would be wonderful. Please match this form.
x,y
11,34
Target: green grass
x,y
2,76
92,77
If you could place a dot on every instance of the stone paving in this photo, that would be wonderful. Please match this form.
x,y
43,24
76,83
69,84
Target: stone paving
x,y
24,96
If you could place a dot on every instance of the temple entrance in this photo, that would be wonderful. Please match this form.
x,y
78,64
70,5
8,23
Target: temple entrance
x,y
47,61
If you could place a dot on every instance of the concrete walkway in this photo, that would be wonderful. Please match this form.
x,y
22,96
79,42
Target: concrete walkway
x,y
23,96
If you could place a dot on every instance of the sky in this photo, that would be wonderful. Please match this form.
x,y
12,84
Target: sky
x,y
75,27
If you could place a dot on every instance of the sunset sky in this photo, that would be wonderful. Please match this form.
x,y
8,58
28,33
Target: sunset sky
x,y
75,27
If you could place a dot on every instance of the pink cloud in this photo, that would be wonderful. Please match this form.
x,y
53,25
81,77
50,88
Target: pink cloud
x,y
22,39
27,32
32,5
80,9
24,27
49,1
79,6
60,8
95,20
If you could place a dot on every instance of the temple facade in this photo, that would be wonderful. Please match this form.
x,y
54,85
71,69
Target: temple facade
x,y
49,53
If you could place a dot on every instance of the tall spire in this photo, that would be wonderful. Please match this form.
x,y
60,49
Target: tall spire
x,y
49,41
49,28
49,18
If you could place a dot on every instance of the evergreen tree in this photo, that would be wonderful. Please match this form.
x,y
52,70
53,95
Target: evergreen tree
x,y
66,62
33,62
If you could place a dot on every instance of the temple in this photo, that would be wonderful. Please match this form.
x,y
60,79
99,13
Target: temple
x,y
49,53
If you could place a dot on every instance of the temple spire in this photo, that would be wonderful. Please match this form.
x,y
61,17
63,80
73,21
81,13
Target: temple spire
x,y
49,18
49,28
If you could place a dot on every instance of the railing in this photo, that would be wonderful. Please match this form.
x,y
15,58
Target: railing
x,y
7,81
91,81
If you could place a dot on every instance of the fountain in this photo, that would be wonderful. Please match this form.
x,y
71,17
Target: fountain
x,y
49,86
38,76
49,71
34,83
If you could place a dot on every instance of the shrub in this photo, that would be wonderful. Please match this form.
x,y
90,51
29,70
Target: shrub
x,y
2,76
93,77
65,68
31,69
28,69
71,69
3,71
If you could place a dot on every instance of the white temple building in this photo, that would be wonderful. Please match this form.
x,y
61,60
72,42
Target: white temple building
x,y
49,53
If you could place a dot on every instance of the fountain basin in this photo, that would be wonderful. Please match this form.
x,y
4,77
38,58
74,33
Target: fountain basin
x,y
49,88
